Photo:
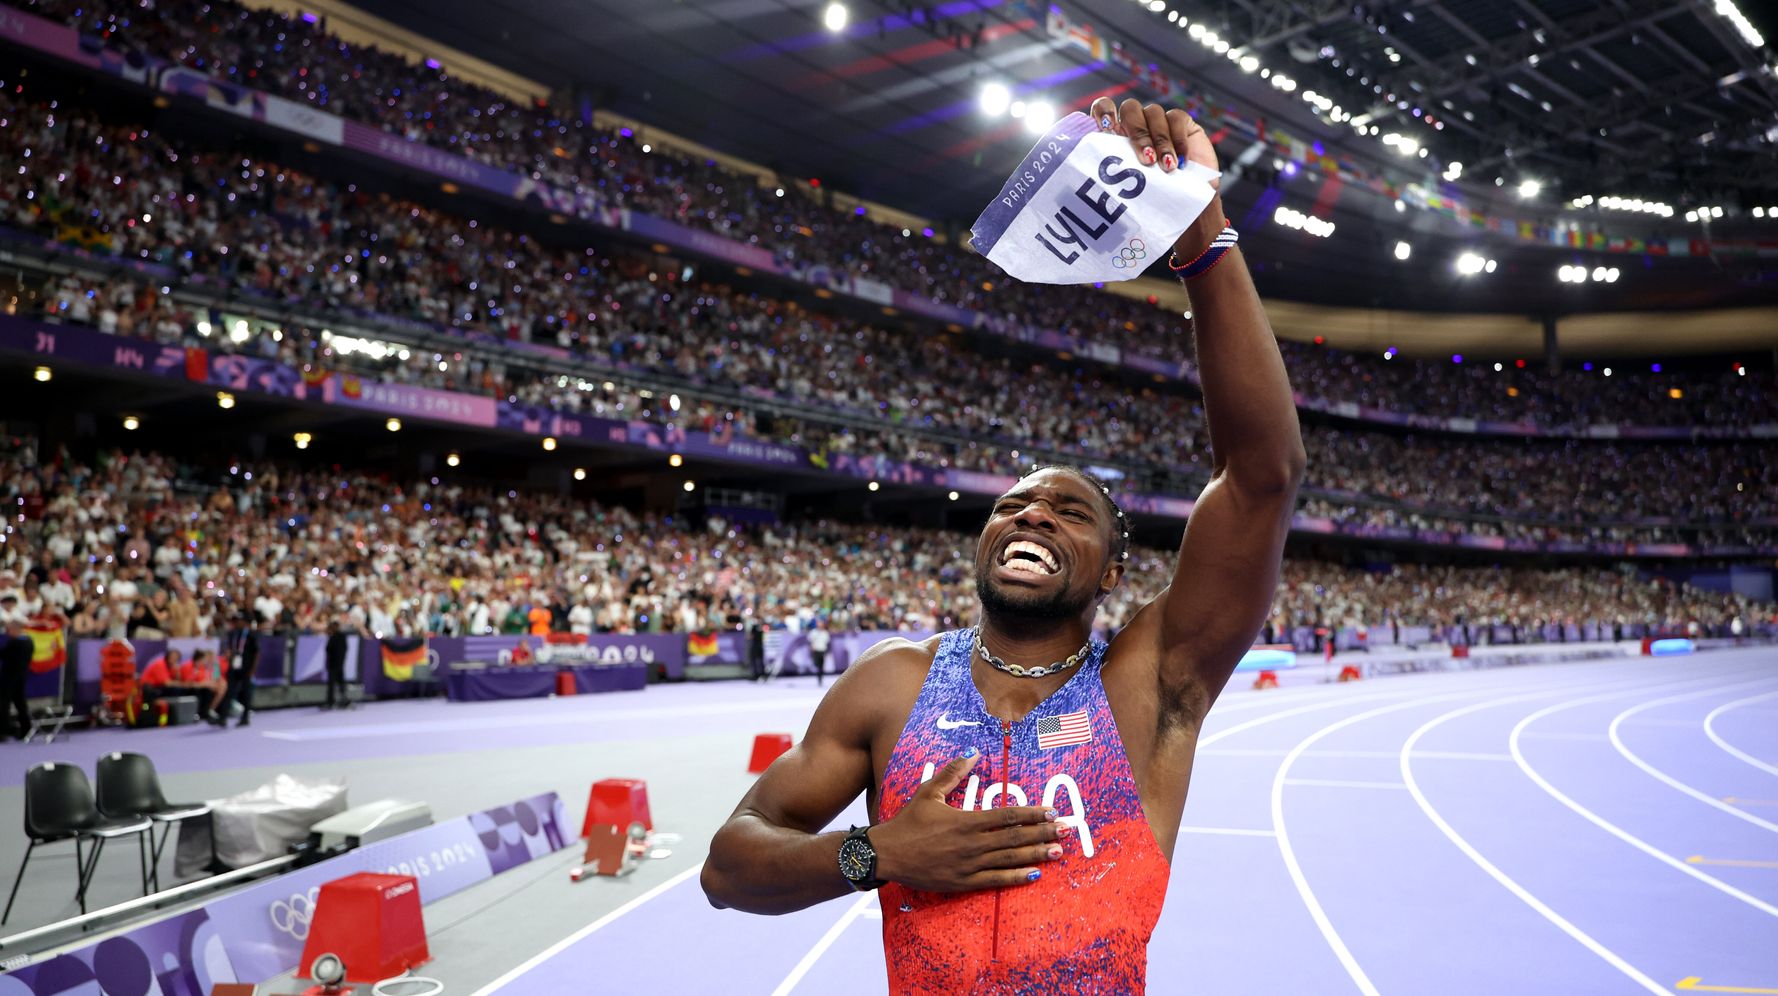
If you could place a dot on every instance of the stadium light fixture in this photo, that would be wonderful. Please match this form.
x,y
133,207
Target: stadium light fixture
x,y
675,460
995,99
1489,266
835,17
1469,264
452,460
1611,274
1292,218
1598,274
875,486
1529,189
580,473
1402,249
691,485
302,440
549,443
393,425
42,375
131,423
955,496
224,400
1016,109
1039,115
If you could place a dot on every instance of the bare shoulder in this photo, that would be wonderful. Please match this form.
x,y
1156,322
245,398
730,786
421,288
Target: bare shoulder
x,y
890,664
882,679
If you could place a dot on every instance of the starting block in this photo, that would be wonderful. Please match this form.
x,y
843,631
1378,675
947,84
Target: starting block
x,y
767,747
371,922
1266,679
1350,673
610,851
617,802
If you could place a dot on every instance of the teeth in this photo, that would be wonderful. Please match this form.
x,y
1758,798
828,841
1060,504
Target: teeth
x,y
1047,559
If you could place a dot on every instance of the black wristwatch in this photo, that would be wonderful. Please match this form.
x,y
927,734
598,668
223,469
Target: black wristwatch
x,y
858,861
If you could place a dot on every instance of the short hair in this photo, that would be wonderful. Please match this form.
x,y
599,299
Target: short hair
x,y
1120,523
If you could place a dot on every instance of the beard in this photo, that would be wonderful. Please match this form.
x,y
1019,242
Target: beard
x,y
1028,606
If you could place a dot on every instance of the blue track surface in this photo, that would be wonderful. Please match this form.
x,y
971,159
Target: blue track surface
x,y
1576,828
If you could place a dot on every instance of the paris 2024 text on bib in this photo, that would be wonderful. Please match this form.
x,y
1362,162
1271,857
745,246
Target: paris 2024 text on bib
x,y
1083,209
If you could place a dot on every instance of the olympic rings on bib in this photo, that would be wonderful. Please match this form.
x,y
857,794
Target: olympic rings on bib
x,y
1130,256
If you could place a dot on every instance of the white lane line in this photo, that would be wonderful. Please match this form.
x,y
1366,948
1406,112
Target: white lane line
x,y
1733,751
1514,744
1229,831
561,945
833,934
1312,707
1469,851
1319,915
1566,736
1339,783
1629,755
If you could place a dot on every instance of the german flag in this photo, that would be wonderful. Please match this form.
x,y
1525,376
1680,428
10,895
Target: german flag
x,y
701,645
400,654
49,646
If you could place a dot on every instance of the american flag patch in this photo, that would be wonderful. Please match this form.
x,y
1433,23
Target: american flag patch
x,y
1064,730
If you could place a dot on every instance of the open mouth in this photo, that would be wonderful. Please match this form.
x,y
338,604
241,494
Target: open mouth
x,y
1025,557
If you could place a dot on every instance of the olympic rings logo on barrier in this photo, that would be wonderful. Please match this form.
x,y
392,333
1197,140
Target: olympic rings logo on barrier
x,y
1130,256
293,917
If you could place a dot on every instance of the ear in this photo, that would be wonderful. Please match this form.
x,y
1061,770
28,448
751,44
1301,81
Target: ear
x,y
1108,581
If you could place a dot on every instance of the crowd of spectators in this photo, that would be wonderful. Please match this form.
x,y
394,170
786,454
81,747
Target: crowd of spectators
x,y
130,542
299,59
292,237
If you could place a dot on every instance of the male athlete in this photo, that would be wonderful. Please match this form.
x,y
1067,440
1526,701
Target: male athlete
x,y
1026,782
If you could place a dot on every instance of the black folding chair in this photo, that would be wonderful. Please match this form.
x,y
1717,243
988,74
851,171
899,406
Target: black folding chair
x,y
129,788
59,806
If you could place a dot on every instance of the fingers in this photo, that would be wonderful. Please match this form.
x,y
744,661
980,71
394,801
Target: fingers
x,y
951,775
1023,836
1002,878
1104,115
1191,141
1012,816
1134,123
1022,857
1166,155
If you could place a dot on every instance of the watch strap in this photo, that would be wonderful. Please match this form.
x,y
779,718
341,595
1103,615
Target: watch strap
x,y
872,882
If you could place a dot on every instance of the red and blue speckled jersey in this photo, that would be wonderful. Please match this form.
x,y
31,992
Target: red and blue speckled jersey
x,y
1084,926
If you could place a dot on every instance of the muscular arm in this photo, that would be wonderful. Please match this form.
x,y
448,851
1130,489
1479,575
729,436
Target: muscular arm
x,y
1228,561
770,857
1229,558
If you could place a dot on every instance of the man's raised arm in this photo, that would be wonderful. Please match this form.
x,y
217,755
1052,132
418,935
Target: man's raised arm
x,y
1228,562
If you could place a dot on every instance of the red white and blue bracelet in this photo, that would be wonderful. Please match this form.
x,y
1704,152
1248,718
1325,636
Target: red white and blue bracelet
x,y
1206,260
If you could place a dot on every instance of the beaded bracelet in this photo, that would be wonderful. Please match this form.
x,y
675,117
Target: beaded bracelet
x,y
1212,254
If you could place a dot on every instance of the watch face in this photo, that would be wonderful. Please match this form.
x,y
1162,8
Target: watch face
x,y
855,860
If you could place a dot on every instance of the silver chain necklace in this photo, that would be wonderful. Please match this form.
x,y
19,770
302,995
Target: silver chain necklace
x,y
1033,672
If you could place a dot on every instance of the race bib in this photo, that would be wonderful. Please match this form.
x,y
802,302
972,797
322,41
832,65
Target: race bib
x,y
1082,209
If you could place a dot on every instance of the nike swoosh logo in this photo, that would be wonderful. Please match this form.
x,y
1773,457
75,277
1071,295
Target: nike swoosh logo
x,y
946,723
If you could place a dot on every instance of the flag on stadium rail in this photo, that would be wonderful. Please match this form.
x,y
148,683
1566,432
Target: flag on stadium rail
x,y
701,645
400,654
1063,731
49,646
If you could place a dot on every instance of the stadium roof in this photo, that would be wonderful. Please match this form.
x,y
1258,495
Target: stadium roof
x,y
1670,104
